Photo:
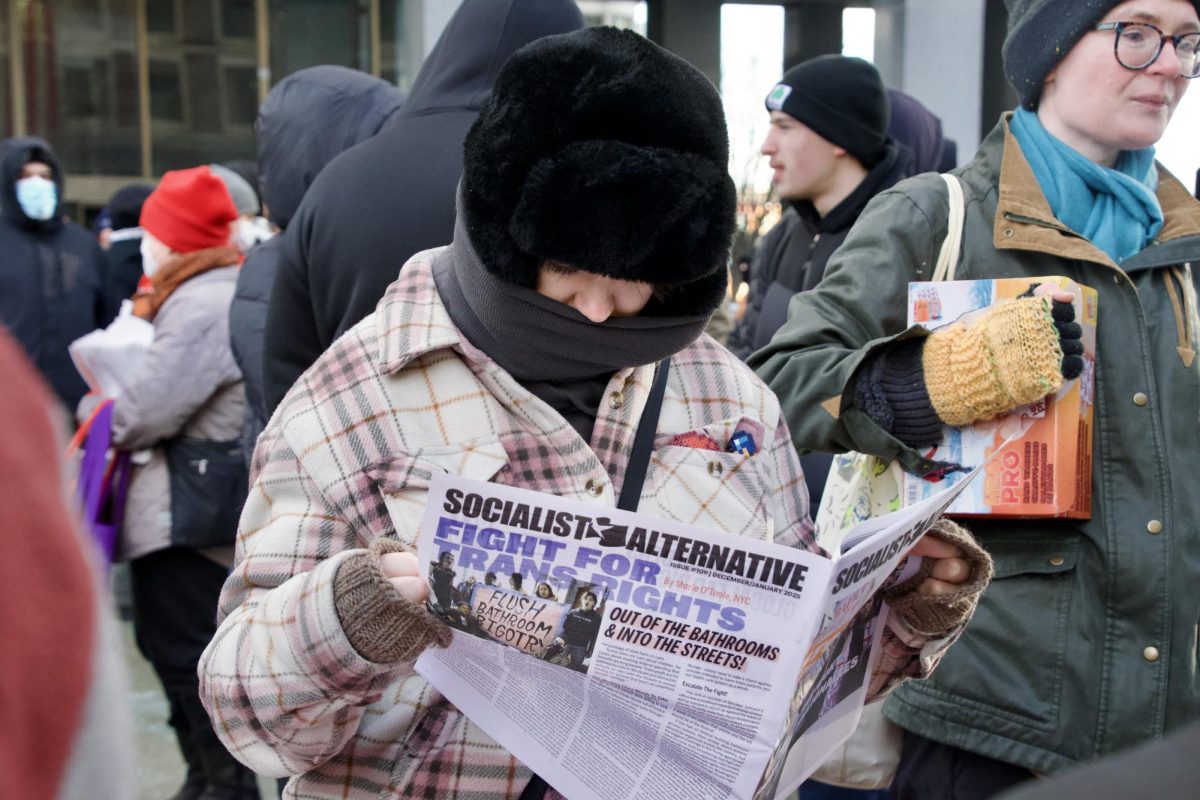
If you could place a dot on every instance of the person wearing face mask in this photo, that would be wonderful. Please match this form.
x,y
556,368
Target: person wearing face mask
x,y
184,410
595,216
1086,642
246,230
52,271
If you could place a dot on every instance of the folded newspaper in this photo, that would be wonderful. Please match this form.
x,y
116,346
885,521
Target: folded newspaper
x,y
639,657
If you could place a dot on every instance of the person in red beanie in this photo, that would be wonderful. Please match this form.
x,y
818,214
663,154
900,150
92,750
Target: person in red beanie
x,y
183,417
186,225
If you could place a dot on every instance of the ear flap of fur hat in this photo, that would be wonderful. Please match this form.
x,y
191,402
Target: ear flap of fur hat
x,y
602,151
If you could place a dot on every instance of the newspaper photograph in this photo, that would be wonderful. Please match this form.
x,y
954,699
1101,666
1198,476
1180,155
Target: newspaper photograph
x,y
620,655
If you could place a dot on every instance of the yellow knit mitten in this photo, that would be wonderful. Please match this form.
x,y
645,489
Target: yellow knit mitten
x,y
1008,357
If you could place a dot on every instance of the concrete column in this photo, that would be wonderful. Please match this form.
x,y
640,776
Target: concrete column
x,y
810,30
944,64
689,28
889,41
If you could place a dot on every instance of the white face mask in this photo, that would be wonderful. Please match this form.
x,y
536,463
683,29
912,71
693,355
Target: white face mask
x,y
38,197
152,255
246,234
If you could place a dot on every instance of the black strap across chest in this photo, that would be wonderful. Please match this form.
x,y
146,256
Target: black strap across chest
x,y
631,493
643,440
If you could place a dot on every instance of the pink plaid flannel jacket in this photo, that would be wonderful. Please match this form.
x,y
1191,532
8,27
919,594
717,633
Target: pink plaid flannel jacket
x,y
400,396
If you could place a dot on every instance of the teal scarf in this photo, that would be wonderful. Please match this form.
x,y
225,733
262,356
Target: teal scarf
x,y
1116,209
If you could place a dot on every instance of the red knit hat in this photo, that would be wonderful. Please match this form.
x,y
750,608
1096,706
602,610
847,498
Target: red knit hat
x,y
190,210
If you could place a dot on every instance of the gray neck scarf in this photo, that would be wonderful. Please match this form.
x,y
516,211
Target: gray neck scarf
x,y
550,348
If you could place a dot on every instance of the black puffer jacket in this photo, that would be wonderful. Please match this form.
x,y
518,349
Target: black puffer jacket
x,y
793,255
51,275
308,118
384,200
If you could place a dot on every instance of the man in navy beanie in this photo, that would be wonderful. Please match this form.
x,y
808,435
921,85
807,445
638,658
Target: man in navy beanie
x,y
831,153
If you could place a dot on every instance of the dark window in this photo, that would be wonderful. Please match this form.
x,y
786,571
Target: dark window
x,y
237,18
160,16
204,106
165,90
305,33
86,12
241,95
79,99
199,22
125,82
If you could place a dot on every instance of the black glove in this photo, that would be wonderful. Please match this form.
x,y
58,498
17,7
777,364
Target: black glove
x,y
1070,337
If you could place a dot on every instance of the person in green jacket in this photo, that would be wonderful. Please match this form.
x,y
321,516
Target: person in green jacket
x,y
1086,642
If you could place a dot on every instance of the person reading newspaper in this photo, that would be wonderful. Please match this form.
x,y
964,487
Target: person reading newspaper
x,y
594,220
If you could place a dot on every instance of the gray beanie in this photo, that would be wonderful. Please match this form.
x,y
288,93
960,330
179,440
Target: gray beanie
x,y
1041,33
244,198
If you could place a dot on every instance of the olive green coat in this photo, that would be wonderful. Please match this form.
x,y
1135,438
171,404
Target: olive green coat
x,y
1086,641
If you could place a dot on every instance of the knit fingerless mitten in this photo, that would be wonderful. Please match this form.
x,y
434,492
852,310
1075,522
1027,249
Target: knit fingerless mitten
x,y
381,624
938,615
891,387
1009,357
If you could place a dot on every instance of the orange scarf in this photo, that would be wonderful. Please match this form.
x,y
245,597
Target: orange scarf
x,y
175,272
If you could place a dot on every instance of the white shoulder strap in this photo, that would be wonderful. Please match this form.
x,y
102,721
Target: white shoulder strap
x,y
947,262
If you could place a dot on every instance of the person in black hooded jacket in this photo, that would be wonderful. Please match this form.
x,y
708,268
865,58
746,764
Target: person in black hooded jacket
x,y
123,257
918,130
386,199
51,270
308,118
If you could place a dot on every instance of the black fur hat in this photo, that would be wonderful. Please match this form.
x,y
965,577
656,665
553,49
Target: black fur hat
x,y
602,151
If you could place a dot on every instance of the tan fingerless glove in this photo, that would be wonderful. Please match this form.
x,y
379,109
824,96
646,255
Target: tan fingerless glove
x,y
1010,356
382,625
937,615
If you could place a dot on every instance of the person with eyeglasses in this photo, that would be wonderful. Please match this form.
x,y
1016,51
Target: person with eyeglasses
x,y
1086,642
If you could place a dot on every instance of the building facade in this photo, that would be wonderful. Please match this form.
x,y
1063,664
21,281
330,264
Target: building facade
x,y
126,89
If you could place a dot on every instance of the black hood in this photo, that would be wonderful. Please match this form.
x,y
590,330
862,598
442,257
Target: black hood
x,y
15,154
308,118
918,131
125,206
462,67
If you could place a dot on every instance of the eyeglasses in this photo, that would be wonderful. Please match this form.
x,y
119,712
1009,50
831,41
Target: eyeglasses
x,y
1138,45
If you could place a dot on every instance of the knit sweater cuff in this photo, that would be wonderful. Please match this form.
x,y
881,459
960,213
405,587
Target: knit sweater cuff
x,y
938,615
891,391
382,626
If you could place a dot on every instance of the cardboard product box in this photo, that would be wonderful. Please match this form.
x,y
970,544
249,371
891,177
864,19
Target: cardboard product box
x,y
1047,470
